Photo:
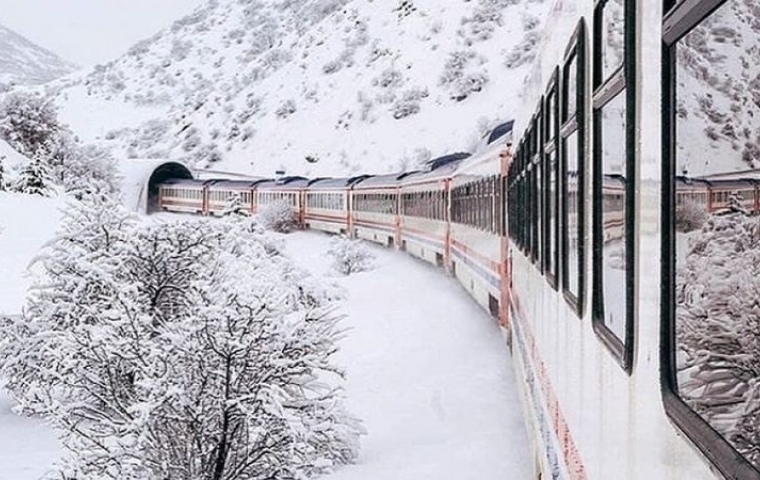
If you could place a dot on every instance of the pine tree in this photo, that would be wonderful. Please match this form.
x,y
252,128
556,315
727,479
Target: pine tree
x,y
34,179
235,207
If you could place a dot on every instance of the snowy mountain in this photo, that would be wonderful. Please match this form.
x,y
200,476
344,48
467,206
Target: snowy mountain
x,y
25,63
316,87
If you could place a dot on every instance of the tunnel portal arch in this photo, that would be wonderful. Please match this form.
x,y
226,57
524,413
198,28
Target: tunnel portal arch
x,y
141,179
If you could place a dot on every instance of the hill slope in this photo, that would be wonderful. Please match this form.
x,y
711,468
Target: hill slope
x,y
25,63
320,87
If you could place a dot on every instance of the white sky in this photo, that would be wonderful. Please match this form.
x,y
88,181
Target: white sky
x,y
87,32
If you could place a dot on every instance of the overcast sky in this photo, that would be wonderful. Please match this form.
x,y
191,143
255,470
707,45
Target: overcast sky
x,y
87,32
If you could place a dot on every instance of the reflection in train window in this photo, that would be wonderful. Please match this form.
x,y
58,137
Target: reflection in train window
x,y
716,227
612,37
552,218
613,216
573,203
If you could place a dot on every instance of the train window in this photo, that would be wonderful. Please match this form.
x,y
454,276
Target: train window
x,y
614,153
711,324
551,144
573,170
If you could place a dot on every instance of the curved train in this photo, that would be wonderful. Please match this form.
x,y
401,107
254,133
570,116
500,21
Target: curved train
x,y
569,235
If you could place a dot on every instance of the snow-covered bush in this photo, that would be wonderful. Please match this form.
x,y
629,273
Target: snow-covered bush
x,y
525,51
28,122
409,103
349,256
277,216
690,215
286,109
183,351
3,180
718,328
461,83
388,78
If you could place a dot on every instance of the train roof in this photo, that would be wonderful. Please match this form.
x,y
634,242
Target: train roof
x,y
235,184
444,166
285,183
328,183
501,131
185,182
388,180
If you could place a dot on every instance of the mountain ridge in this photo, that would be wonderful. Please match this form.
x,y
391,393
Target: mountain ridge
x,y
324,87
23,62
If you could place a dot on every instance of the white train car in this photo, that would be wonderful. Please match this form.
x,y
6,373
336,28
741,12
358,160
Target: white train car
x,y
183,195
375,209
327,204
423,210
221,192
478,253
614,319
288,189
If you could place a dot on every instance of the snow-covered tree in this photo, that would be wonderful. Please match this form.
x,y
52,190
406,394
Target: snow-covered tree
x,y
690,216
718,328
3,180
82,169
28,122
235,207
184,351
34,179
277,216
349,256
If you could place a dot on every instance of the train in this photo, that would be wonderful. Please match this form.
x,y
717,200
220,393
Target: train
x,y
564,225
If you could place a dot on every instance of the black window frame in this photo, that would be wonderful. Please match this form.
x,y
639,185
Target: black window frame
x,y
622,81
574,124
550,146
678,21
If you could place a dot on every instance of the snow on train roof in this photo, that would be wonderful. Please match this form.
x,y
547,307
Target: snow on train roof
x,y
444,166
236,184
391,179
286,183
501,130
344,182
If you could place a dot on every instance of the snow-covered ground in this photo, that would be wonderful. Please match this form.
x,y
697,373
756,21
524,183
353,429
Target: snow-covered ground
x,y
429,373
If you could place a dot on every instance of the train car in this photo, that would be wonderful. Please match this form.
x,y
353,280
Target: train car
x,y
183,195
424,210
742,191
629,345
375,209
287,189
476,222
692,190
221,192
327,202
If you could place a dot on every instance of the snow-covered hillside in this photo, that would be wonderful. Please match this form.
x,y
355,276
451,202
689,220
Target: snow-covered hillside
x,y
719,75
319,87
25,63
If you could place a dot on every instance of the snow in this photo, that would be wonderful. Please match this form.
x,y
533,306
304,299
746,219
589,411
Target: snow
x,y
26,223
429,372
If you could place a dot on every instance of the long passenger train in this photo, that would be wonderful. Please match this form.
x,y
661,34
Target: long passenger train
x,y
636,341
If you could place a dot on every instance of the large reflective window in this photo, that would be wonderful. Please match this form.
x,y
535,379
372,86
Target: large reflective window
x,y
573,204
613,215
717,227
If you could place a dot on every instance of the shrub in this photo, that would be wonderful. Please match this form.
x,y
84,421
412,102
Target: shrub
x,y
349,256
690,216
277,216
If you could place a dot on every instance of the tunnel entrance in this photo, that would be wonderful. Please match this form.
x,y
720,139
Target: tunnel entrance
x,y
164,172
